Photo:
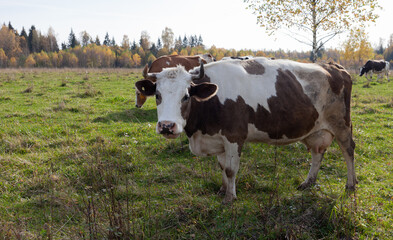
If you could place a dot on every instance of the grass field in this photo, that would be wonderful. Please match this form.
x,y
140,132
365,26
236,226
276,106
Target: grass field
x,y
79,161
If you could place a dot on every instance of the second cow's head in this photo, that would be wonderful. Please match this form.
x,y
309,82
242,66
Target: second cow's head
x,y
174,88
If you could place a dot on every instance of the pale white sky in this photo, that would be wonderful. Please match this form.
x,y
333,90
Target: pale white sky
x,y
224,23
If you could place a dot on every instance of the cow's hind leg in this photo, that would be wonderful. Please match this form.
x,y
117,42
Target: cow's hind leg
x,y
347,146
317,143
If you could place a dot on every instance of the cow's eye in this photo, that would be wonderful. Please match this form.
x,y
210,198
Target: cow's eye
x,y
185,98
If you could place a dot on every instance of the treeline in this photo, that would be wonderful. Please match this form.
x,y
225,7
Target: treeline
x,y
34,49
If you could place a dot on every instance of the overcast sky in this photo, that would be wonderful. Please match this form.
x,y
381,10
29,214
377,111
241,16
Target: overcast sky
x,y
224,23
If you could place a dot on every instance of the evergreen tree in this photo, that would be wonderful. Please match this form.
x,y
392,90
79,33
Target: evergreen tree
x,y
63,46
106,41
72,42
10,27
33,40
97,41
185,42
193,41
133,46
159,44
23,33
113,42
154,49
200,41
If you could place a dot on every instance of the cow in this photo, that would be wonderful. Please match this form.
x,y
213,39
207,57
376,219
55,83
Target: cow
x,y
188,62
239,58
224,104
380,67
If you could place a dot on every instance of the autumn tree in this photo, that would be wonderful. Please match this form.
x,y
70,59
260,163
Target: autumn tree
x,y
313,22
167,37
357,48
125,44
3,58
9,42
85,38
53,46
144,42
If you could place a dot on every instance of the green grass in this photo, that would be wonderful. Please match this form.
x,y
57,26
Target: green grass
x,y
79,161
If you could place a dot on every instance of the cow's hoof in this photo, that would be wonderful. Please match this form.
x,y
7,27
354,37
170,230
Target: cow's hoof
x,y
229,198
350,188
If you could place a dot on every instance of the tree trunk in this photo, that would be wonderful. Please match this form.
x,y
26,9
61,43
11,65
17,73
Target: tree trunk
x,y
314,52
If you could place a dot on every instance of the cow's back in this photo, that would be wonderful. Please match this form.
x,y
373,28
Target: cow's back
x,y
189,62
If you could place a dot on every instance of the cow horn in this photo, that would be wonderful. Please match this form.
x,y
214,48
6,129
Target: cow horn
x,y
144,73
201,73
152,77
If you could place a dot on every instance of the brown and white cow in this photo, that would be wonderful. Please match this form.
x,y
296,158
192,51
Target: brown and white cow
x,y
227,103
189,62
380,67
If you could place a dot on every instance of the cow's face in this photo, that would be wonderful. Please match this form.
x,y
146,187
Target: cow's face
x,y
173,90
362,71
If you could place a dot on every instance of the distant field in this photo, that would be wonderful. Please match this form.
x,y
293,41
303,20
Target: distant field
x,y
79,161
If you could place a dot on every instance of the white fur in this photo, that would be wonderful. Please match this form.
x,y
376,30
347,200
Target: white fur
x,y
173,84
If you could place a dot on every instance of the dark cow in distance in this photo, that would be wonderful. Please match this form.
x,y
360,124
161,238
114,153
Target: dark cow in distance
x,y
189,62
380,67
224,104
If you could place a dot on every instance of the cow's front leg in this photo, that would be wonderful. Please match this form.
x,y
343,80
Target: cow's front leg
x,y
232,160
221,161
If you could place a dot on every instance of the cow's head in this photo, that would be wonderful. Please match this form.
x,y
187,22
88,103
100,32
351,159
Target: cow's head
x,y
362,71
174,89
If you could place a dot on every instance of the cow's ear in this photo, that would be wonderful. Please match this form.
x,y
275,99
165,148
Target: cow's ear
x,y
146,87
203,91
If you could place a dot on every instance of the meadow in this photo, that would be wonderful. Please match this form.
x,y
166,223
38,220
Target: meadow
x,y
79,161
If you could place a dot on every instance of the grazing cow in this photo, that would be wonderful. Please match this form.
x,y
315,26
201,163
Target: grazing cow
x,y
189,62
380,67
227,103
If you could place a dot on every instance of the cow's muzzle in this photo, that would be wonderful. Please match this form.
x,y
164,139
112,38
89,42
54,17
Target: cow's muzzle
x,y
167,129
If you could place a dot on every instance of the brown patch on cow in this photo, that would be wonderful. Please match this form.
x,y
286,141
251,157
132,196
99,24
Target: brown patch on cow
x,y
291,114
189,62
253,67
340,80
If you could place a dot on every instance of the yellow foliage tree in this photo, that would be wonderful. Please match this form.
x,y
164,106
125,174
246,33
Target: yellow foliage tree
x,y
9,42
13,63
136,59
357,49
125,59
184,52
30,62
42,59
3,58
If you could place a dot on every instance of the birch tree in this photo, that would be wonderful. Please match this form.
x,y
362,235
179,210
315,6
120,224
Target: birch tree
x,y
313,22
